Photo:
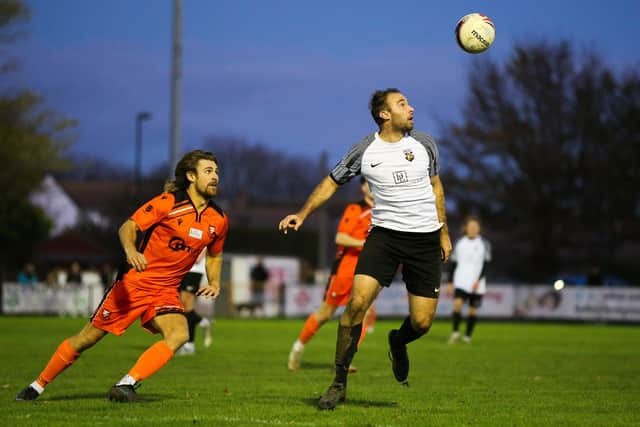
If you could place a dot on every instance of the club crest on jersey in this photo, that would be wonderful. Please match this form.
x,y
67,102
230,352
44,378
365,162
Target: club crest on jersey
x,y
408,154
105,313
212,231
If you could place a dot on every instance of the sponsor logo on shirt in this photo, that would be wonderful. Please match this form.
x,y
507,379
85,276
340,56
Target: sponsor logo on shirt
x,y
178,244
195,233
400,177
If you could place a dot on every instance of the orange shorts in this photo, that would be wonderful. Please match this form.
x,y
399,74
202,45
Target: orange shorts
x,y
338,290
124,303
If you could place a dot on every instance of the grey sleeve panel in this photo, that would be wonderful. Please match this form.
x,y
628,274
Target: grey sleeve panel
x,y
350,165
487,250
432,148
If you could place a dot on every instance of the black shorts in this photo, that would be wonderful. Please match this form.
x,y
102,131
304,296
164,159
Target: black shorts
x,y
475,300
191,282
419,253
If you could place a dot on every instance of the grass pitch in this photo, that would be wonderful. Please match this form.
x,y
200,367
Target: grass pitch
x,y
512,375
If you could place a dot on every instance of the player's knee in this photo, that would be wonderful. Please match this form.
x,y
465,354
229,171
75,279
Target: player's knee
x,y
322,318
82,342
358,304
422,323
180,337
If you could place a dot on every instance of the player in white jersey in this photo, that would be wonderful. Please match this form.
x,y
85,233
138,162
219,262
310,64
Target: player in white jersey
x,y
409,228
467,276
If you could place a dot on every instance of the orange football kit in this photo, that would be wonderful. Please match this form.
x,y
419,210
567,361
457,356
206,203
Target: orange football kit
x,y
355,222
172,236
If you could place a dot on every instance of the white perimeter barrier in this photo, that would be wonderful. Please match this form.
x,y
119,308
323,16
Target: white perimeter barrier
x,y
501,301
71,300
620,304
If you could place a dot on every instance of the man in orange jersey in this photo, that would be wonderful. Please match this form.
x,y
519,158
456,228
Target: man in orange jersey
x,y
350,237
175,226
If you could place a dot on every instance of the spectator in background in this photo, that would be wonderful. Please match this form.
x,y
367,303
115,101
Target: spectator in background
x,y
259,276
28,276
594,277
74,275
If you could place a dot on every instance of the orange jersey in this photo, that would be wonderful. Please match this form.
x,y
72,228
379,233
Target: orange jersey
x,y
173,234
355,221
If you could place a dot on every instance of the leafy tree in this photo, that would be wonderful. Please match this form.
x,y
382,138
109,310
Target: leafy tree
x,y
32,141
549,150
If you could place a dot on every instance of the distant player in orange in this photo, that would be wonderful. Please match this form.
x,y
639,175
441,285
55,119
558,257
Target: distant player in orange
x,y
350,237
175,227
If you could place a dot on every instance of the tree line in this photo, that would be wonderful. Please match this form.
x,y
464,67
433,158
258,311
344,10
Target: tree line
x,y
547,153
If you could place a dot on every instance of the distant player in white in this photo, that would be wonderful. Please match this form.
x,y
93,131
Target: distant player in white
x,y
408,228
467,274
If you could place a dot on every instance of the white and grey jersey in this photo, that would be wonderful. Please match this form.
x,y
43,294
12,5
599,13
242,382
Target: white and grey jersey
x,y
469,258
399,176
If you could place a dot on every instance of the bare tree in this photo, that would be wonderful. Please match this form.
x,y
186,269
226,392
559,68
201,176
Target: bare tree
x,y
549,150
262,173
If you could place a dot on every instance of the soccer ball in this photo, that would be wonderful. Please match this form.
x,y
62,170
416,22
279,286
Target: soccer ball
x,y
475,33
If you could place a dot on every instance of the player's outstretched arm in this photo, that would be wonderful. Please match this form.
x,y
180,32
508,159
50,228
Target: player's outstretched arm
x,y
213,266
445,240
323,192
127,234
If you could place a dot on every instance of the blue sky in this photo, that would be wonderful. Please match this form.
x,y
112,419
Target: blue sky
x,y
294,75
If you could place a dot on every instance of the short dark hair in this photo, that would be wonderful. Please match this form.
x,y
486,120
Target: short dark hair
x,y
188,163
378,103
468,219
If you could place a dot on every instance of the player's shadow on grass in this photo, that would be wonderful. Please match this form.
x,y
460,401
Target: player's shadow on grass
x,y
148,398
315,365
355,402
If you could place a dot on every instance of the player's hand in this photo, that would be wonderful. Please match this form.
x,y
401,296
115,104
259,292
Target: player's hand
x,y
290,221
475,286
445,246
449,289
137,261
210,291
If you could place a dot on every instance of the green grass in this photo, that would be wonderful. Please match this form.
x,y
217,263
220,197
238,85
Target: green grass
x,y
512,374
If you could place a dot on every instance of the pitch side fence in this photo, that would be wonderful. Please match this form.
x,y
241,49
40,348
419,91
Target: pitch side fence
x,y
573,303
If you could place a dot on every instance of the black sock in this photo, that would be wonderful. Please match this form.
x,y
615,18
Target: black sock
x,y
457,317
406,333
192,321
346,347
471,322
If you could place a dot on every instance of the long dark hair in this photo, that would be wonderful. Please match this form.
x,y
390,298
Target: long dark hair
x,y
188,163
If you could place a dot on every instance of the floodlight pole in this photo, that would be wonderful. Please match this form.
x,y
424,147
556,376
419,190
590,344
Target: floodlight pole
x,y
176,93
140,117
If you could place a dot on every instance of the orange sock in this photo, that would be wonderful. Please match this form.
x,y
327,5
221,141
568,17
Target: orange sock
x,y
309,329
150,362
370,318
62,358
362,334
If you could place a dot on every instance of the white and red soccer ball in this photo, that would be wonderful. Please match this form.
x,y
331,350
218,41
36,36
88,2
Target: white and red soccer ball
x,y
475,33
